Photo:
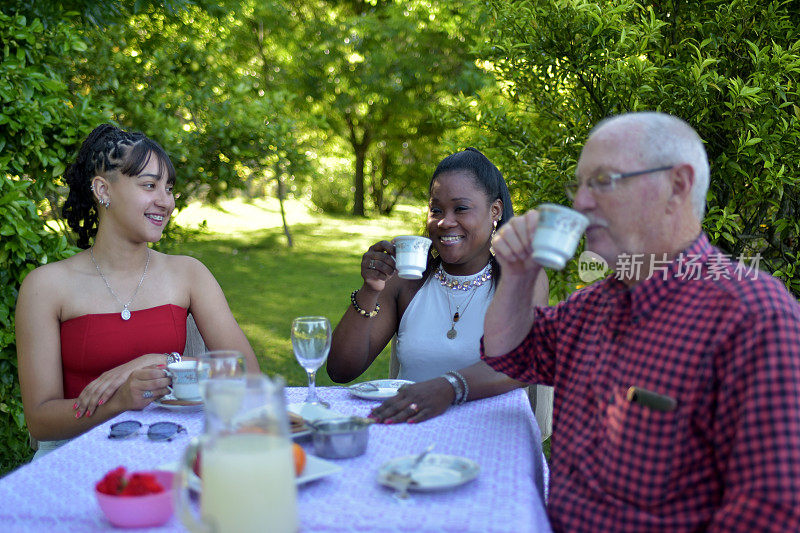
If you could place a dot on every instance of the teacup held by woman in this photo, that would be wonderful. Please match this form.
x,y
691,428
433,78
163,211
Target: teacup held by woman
x,y
411,255
184,380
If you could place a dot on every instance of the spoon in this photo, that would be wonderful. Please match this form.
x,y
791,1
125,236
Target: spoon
x,y
404,480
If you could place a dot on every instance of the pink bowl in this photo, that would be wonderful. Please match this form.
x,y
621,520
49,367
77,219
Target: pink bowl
x,y
139,511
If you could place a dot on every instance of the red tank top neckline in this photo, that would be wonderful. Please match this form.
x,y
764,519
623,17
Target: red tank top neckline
x,y
91,315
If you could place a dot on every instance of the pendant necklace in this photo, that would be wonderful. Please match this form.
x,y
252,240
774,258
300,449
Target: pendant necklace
x,y
126,313
474,284
452,333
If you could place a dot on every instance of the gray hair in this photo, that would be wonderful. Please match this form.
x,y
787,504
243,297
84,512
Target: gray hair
x,y
668,140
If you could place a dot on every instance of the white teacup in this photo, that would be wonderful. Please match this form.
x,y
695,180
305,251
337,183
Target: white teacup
x,y
184,380
411,255
557,235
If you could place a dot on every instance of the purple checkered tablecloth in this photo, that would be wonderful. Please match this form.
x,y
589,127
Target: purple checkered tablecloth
x,y
55,493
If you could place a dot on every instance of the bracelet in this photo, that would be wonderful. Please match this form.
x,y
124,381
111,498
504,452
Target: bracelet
x,y
464,383
456,384
368,314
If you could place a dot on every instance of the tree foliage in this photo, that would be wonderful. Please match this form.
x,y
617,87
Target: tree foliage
x,y
731,69
377,73
39,125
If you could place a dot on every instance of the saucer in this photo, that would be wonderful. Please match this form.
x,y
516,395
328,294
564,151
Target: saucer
x,y
174,404
377,389
436,472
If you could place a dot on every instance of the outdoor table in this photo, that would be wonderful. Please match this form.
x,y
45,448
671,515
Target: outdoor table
x,y
56,492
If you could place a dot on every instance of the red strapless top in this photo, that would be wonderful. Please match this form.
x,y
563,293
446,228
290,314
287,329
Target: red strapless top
x,y
93,344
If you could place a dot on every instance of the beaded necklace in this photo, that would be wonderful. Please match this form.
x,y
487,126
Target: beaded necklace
x,y
463,285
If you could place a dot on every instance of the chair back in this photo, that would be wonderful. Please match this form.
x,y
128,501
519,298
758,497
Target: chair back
x,y
195,345
394,363
541,398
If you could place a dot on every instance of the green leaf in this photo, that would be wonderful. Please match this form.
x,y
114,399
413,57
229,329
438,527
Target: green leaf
x,y
58,169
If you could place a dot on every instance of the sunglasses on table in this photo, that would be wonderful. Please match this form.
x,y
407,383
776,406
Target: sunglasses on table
x,y
160,431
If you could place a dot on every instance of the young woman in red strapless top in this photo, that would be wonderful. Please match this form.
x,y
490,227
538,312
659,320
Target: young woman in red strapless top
x,y
92,329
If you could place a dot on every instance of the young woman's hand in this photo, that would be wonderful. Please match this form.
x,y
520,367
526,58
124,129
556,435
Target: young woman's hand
x,y
103,388
143,386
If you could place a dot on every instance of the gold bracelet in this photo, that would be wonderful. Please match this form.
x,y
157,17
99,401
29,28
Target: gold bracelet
x,y
368,314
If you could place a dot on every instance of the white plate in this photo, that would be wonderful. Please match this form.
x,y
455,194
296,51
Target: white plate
x,y
312,412
377,389
316,468
191,407
436,472
305,431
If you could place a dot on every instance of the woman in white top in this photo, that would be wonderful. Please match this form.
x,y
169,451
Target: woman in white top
x,y
438,320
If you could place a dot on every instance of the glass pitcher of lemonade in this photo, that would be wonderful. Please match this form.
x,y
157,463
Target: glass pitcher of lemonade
x,y
245,461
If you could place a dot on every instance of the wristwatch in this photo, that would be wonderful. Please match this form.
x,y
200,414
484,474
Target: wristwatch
x,y
173,357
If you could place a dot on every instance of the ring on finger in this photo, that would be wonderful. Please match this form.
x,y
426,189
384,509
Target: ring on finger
x,y
414,407
147,394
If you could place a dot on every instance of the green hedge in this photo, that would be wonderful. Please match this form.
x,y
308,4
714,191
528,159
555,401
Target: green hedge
x,y
41,123
25,243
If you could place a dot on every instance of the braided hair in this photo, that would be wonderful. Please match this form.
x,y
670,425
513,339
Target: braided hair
x,y
489,178
105,151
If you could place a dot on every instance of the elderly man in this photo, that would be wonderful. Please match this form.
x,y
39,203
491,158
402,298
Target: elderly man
x,y
677,383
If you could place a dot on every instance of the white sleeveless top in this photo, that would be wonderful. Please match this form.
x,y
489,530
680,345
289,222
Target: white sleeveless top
x,y
423,349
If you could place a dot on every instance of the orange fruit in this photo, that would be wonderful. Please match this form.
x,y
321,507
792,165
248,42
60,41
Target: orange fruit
x,y
299,458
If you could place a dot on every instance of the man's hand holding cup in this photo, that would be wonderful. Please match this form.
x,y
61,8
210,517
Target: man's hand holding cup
x,y
544,237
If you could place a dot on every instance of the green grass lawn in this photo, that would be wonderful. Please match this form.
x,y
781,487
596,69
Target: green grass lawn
x,y
268,284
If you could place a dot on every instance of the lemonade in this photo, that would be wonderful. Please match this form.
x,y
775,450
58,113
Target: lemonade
x,y
249,484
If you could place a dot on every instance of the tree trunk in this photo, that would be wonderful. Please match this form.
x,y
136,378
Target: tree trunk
x,y
358,180
377,187
384,178
360,147
281,195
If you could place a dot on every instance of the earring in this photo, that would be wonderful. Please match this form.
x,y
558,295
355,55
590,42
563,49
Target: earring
x,y
491,237
91,187
434,253
106,203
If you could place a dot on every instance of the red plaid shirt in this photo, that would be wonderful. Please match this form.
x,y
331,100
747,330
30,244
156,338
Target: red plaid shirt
x,y
726,347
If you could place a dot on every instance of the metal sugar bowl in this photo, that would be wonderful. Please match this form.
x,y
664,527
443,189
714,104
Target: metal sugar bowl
x,y
340,438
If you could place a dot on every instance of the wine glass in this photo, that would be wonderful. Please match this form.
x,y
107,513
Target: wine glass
x,y
221,364
311,340
221,375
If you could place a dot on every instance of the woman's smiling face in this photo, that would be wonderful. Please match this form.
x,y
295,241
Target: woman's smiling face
x,y
460,221
143,203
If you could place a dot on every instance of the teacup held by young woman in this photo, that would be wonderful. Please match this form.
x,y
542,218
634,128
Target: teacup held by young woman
x,y
184,380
